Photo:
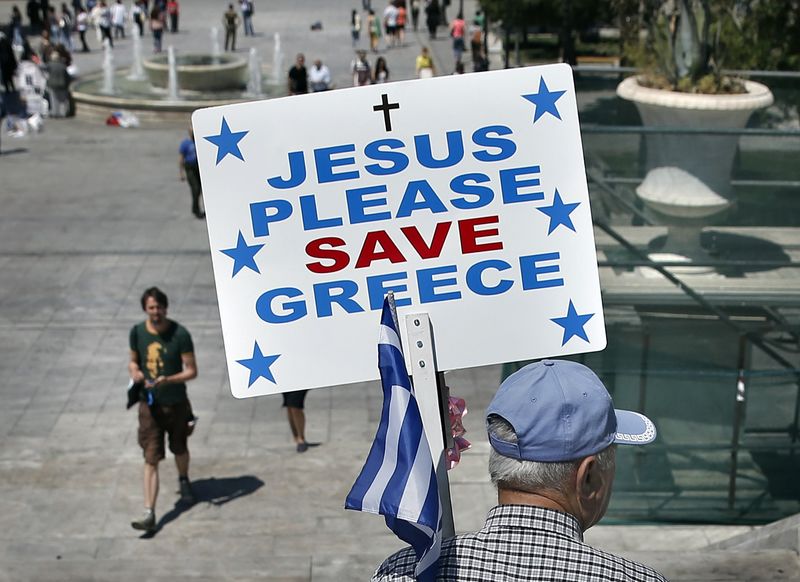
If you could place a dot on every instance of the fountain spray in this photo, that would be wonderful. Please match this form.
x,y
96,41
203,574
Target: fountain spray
x,y
172,80
108,69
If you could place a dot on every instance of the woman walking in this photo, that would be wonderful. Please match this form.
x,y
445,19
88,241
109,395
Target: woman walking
x,y
157,28
355,26
381,74
82,24
374,25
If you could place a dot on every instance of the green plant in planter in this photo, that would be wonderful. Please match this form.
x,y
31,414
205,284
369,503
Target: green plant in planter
x,y
685,47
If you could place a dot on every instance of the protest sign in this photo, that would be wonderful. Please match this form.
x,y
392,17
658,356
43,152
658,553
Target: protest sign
x,y
465,195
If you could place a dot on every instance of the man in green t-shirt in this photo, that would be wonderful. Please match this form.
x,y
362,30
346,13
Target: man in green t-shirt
x,y
162,359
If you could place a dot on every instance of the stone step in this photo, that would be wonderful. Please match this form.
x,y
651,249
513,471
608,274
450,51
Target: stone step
x,y
695,566
719,565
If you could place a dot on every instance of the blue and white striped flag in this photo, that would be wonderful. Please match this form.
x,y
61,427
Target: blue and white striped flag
x,y
398,480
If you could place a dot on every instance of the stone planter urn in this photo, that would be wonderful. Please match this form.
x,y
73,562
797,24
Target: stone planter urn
x,y
688,176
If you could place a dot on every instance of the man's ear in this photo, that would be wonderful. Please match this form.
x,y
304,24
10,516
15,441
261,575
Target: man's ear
x,y
589,479
592,491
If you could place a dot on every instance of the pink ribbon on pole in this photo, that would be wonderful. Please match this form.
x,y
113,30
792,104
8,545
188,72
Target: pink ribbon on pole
x,y
457,407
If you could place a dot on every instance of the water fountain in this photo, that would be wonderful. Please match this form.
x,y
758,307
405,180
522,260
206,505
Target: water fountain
x,y
136,72
173,86
108,69
255,84
277,61
172,77
215,48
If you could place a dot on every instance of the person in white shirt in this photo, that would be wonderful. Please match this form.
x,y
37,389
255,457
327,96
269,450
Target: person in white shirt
x,y
319,77
390,24
138,15
82,24
118,16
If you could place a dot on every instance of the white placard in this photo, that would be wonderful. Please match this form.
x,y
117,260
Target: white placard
x,y
466,195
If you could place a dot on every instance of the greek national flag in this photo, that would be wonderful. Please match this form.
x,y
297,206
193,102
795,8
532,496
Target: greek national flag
x,y
398,480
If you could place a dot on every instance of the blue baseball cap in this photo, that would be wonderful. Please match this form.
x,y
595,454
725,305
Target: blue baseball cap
x,y
560,411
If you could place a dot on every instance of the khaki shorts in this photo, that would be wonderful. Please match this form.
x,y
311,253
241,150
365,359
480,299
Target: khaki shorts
x,y
172,420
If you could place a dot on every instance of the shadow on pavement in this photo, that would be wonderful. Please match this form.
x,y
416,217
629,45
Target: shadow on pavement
x,y
14,151
212,490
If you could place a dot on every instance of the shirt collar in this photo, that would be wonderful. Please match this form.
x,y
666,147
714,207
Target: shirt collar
x,y
531,517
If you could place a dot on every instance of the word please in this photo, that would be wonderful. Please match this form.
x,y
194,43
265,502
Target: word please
x,y
442,283
372,203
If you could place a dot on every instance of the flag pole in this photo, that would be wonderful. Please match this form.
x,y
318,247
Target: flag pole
x,y
432,400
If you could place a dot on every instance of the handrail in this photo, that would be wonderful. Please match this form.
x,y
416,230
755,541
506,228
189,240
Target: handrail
x,y
640,129
727,72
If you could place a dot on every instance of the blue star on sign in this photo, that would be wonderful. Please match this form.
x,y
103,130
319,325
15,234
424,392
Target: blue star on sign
x,y
259,365
243,255
545,101
227,141
573,324
559,213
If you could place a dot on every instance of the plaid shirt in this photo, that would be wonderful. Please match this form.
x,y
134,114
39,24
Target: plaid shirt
x,y
521,542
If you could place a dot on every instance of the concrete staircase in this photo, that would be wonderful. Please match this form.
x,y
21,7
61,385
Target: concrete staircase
x,y
709,553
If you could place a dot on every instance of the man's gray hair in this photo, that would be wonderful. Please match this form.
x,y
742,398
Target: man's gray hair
x,y
532,476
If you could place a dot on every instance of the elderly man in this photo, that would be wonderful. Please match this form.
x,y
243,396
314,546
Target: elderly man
x,y
553,430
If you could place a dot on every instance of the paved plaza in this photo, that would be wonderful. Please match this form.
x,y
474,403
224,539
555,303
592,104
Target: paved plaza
x,y
90,216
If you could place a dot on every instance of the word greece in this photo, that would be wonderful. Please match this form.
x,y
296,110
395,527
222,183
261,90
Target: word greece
x,y
334,248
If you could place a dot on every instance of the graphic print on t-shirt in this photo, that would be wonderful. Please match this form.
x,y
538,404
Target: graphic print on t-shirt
x,y
154,363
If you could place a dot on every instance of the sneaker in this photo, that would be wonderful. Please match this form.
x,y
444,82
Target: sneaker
x,y
187,496
146,523
302,447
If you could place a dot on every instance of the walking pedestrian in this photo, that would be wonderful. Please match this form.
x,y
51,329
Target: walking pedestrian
x,y
173,12
8,64
46,48
294,402
432,16
390,24
15,24
247,8
58,81
81,24
162,360
381,74
475,38
415,4
480,63
230,20
374,26
457,30
355,26
298,76
362,72
189,171
424,64
319,77
51,20
65,24
118,16
103,20
401,22
138,15
34,16
157,28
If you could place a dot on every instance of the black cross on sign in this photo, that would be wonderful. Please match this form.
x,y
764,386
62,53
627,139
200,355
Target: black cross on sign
x,y
386,107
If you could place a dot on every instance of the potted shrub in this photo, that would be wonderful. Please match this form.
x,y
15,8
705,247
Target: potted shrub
x,y
688,176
